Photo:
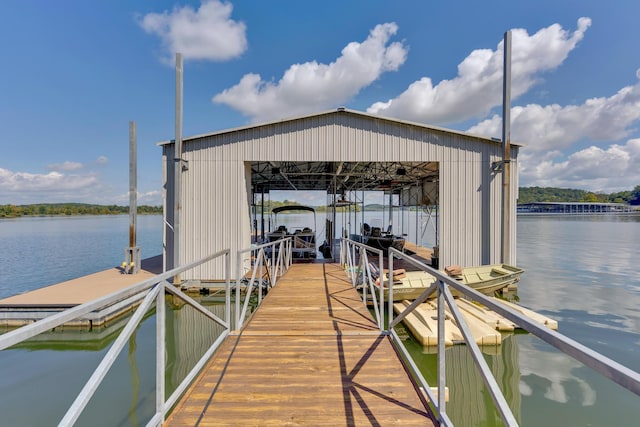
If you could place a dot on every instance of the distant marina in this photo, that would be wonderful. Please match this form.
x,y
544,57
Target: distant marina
x,y
576,208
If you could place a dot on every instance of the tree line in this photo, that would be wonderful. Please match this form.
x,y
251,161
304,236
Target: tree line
x,y
55,209
550,194
526,195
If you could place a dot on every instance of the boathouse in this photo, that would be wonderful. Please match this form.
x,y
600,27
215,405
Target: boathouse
x,y
223,173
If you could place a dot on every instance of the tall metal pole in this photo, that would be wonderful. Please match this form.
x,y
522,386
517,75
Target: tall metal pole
x,y
506,155
133,185
177,207
131,262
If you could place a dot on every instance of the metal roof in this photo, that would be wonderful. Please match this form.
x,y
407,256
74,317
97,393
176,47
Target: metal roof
x,y
374,176
340,110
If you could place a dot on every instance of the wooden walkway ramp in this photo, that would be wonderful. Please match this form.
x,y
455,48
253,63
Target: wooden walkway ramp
x,y
311,355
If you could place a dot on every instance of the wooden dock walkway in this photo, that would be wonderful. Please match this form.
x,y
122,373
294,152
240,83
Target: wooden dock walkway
x,y
419,252
310,355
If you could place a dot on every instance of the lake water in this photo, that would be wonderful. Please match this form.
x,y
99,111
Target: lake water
x,y
580,270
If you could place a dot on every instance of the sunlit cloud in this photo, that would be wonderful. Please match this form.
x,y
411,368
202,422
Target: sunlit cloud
x,y
549,133
478,86
314,86
26,187
607,170
553,127
208,33
66,166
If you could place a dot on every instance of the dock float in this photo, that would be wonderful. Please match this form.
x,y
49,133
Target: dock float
x,y
485,325
310,355
29,307
536,317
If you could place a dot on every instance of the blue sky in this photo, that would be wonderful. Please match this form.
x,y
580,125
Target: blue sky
x,y
74,73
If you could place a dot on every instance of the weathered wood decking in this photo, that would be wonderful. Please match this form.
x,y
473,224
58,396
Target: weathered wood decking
x,y
311,355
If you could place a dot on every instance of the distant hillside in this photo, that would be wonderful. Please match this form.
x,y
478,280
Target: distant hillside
x,y
54,209
550,194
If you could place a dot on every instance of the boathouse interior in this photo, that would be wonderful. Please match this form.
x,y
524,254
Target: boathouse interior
x,y
411,183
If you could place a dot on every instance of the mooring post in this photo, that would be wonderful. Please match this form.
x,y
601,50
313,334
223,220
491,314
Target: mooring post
x,y
131,262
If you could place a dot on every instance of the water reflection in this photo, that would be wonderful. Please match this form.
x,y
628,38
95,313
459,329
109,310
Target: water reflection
x,y
538,359
582,271
470,403
189,336
35,370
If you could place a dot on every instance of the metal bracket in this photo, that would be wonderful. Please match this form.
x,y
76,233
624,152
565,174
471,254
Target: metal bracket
x,y
498,166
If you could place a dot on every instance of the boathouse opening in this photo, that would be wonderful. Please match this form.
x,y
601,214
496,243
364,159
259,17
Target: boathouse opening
x,y
347,186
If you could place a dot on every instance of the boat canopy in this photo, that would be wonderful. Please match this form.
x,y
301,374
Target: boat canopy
x,y
292,208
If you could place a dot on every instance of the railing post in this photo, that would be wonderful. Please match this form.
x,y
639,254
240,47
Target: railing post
x,y
441,351
238,278
345,252
366,274
227,284
353,252
381,288
160,350
263,259
390,297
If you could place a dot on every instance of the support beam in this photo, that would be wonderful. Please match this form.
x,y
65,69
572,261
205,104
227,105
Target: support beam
x,y
177,205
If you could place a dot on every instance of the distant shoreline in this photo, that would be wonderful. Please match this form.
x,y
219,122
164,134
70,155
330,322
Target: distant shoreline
x,y
71,209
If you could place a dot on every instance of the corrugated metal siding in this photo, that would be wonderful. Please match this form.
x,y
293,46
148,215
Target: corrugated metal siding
x,y
215,188
167,207
215,211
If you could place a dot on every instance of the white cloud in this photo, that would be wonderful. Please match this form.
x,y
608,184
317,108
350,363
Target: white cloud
x,y
53,182
311,86
102,160
150,198
615,168
552,127
208,33
66,166
478,86
550,130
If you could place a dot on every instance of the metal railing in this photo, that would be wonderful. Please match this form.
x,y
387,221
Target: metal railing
x,y
355,260
358,268
149,291
153,291
265,260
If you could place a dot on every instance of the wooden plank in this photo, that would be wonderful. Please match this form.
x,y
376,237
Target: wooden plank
x,y
275,373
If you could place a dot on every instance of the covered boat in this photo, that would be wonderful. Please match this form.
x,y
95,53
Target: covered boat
x,y
376,238
304,238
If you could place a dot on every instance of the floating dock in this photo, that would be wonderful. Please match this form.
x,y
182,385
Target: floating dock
x,y
485,325
32,306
